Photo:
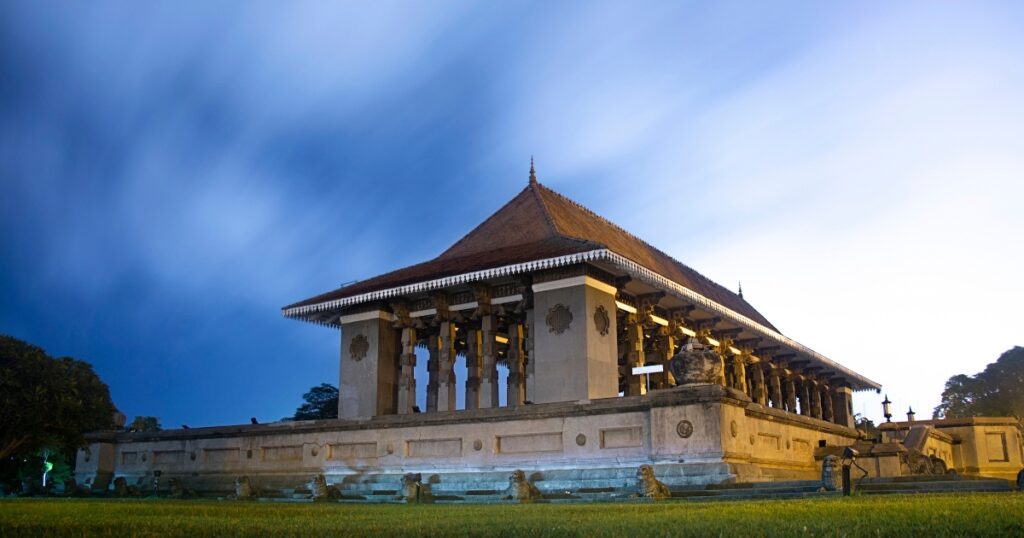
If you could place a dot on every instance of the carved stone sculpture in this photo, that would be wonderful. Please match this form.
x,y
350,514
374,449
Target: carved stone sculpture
x,y
696,364
120,487
243,488
413,490
648,486
831,479
320,490
179,490
521,490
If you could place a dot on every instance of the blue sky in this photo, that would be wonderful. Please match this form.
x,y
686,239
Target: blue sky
x,y
172,174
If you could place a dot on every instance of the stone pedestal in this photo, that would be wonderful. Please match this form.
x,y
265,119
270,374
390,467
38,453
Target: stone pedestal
x,y
842,406
575,348
369,353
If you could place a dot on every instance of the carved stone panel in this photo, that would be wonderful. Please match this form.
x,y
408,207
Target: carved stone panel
x,y
601,320
559,318
359,347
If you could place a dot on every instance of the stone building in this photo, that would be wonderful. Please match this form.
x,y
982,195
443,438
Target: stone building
x,y
586,318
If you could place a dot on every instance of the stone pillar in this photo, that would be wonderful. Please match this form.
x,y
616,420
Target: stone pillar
x,y
368,372
668,346
812,388
407,375
739,373
433,344
776,388
473,345
635,385
446,368
95,465
791,394
805,397
826,403
516,386
575,348
760,392
842,406
531,357
488,363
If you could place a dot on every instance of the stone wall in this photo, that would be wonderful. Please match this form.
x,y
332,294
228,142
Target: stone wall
x,y
707,434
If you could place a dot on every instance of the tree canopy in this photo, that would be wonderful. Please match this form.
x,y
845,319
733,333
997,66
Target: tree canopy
x,y
144,424
998,390
47,401
321,402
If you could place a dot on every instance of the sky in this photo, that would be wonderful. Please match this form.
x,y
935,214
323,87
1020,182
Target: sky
x,y
173,173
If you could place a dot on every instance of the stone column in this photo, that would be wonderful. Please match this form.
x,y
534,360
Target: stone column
x,y
826,403
488,363
531,358
739,373
634,357
516,388
812,388
776,388
446,368
433,343
406,374
791,394
842,406
472,368
805,397
760,392
368,372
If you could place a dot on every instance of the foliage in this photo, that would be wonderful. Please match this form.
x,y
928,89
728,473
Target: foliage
x,y
321,402
144,424
974,514
998,390
47,402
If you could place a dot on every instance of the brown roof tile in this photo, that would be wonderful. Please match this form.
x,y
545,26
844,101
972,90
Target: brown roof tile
x,y
540,223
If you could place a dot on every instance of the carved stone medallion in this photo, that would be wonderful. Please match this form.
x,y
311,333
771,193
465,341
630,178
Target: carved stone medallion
x,y
581,439
478,445
684,428
559,318
601,321
358,348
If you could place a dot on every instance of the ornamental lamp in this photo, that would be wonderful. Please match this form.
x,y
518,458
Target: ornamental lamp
x,y
910,414
887,409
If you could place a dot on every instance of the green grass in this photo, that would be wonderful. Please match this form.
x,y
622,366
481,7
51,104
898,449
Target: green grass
x,y
975,514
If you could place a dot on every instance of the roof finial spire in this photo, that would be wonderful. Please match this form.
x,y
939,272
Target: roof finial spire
x,y
741,289
533,174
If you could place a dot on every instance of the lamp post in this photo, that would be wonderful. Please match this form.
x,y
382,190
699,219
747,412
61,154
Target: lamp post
x,y
887,409
910,414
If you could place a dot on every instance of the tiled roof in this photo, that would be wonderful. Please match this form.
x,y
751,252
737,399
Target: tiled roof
x,y
540,223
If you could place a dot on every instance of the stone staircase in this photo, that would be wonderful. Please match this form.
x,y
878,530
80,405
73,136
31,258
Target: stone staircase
x,y
932,484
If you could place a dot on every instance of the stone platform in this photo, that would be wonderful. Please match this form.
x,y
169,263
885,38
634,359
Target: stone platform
x,y
692,436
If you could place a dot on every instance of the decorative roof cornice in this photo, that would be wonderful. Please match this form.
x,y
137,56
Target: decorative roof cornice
x,y
632,268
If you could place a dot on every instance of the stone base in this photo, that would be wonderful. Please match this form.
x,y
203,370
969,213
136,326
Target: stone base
x,y
692,436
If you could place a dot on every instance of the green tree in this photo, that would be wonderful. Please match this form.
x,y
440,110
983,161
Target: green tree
x,y
998,390
46,401
321,402
144,424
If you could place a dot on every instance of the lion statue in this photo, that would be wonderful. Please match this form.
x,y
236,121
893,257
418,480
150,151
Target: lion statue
x,y
179,490
120,487
321,491
649,487
520,489
831,479
243,489
413,490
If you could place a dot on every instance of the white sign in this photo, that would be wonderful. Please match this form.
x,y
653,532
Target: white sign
x,y
653,369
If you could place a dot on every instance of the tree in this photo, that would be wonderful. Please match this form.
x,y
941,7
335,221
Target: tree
x,y
47,405
144,424
998,390
321,402
46,401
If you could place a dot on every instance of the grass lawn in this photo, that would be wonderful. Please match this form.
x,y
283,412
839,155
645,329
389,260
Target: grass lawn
x,y
975,514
